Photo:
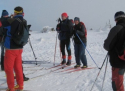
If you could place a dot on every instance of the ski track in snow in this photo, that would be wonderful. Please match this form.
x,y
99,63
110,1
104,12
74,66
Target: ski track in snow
x,y
44,48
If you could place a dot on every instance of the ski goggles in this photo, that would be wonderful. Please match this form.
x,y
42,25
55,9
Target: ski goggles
x,y
18,11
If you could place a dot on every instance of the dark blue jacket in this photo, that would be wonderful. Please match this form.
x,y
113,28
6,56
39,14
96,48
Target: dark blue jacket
x,y
65,28
12,28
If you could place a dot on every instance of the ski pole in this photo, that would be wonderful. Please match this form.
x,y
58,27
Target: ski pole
x,y
99,72
87,51
104,74
55,49
33,51
60,51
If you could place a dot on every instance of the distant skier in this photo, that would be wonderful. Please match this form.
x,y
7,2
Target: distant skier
x,y
4,17
80,29
115,45
64,29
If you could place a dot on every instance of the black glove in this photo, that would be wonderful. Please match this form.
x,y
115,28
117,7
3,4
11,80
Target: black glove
x,y
59,20
75,31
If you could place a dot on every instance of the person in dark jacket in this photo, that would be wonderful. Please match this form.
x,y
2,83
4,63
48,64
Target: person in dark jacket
x,y
79,28
4,20
13,52
64,29
4,17
114,42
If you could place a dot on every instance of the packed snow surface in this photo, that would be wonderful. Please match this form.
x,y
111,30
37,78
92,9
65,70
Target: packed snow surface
x,y
61,80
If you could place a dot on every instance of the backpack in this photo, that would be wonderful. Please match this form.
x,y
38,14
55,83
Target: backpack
x,y
22,34
71,21
85,29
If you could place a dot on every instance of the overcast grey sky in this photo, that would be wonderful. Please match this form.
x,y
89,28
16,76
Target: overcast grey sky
x,y
40,13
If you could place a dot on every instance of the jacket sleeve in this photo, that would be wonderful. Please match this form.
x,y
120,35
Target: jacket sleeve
x,y
70,25
112,38
82,32
58,27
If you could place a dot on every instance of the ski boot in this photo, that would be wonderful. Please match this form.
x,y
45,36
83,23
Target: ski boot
x,y
10,89
69,61
64,60
77,66
83,67
18,88
25,78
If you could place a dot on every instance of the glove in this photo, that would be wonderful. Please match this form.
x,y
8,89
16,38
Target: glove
x,y
58,31
75,31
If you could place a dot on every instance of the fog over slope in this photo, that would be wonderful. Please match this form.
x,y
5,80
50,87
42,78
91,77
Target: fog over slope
x,y
40,13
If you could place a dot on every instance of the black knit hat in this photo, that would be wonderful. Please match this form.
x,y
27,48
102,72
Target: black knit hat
x,y
77,19
18,10
5,13
119,14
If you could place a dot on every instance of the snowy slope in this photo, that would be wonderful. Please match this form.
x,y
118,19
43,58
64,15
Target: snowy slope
x,y
43,45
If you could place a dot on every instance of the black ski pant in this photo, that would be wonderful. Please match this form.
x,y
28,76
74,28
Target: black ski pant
x,y
63,44
23,73
2,56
